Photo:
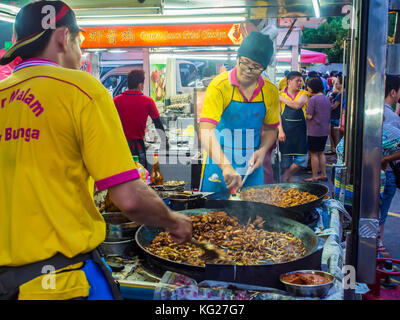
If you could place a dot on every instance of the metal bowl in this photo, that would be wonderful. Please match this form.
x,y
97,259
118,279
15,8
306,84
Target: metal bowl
x,y
119,227
115,248
179,187
185,201
319,290
174,183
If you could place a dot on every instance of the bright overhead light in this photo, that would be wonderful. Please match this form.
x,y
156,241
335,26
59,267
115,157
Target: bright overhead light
x,y
193,49
160,20
7,18
95,50
117,51
115,12
284,67
9,8
316,8
206,58
197,12
207,49
284,54
220,57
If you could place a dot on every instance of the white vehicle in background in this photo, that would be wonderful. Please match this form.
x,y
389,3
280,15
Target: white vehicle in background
x,y
180,76
116,80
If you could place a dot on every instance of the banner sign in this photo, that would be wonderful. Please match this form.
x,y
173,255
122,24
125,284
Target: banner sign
x,y
162,36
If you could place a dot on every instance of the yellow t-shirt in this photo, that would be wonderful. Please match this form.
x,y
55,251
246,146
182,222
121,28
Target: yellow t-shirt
x,y
286,95
282,84
219,95
59,129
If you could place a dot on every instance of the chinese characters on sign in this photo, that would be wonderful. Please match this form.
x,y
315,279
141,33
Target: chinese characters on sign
x,y
128,36
112,37
169,35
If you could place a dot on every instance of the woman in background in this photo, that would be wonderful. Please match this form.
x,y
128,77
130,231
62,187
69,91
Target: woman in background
x,y
335,99
318,115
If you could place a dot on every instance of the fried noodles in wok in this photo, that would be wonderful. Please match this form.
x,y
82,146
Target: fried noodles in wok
x,y
278,196
243,244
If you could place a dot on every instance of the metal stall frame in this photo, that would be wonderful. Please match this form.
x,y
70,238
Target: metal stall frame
x,y
365,74
364,131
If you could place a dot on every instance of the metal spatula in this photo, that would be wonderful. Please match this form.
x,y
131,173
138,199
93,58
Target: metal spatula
x,y
234,192
210,251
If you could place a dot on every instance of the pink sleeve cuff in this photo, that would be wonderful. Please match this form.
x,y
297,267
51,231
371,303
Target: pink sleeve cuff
x,y
274,125
208,120
117,179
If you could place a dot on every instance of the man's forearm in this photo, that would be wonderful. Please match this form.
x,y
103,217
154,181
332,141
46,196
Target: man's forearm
x,y
280,127
268,138
161,132
158,124
211,145
335,105
393,157
141,204
292,104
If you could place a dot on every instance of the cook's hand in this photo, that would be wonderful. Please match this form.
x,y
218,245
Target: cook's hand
x,y
282,136
232,178
182,230
257,159
384,164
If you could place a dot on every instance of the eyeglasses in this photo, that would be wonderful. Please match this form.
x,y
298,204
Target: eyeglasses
x,y
247,67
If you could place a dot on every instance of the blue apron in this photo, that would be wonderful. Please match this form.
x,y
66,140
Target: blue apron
x,y
238,134
99,287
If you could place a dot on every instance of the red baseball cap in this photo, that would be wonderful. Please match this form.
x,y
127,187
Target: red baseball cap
x,y
34,21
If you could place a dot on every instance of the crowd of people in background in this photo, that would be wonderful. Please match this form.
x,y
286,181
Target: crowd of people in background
x,y
313,109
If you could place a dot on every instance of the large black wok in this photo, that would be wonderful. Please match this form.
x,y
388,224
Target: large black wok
x,y
265,274
317,189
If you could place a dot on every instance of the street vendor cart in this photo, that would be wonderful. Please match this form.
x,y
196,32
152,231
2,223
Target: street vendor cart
x,y
350,257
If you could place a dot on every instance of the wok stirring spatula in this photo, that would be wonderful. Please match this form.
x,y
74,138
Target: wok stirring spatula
x,y
210,251
234,192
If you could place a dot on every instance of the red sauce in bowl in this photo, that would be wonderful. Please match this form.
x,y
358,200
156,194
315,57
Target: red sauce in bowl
x,y
305,279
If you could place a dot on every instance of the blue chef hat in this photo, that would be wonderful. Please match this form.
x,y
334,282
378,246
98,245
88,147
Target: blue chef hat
x,y
257,47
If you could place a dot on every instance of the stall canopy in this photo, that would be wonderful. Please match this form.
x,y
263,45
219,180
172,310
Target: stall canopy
x,y
308,56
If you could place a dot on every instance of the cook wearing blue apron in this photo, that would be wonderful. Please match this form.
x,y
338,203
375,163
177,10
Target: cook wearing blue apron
x,y
238,117
295,128
295,148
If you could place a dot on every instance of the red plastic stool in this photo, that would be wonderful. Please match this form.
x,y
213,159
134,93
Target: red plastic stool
x,y
376,291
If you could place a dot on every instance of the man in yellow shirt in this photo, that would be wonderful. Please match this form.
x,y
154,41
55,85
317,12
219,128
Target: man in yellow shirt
x,y
292,128
59,130
236,106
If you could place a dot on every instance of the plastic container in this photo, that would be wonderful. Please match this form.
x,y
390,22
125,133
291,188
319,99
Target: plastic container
x,y
144,174
156,178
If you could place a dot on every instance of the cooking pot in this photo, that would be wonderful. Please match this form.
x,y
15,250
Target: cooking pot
x,y
115,248
185,201
119,227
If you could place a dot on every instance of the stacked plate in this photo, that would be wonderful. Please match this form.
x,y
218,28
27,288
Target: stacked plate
x,y
177,186
120,234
